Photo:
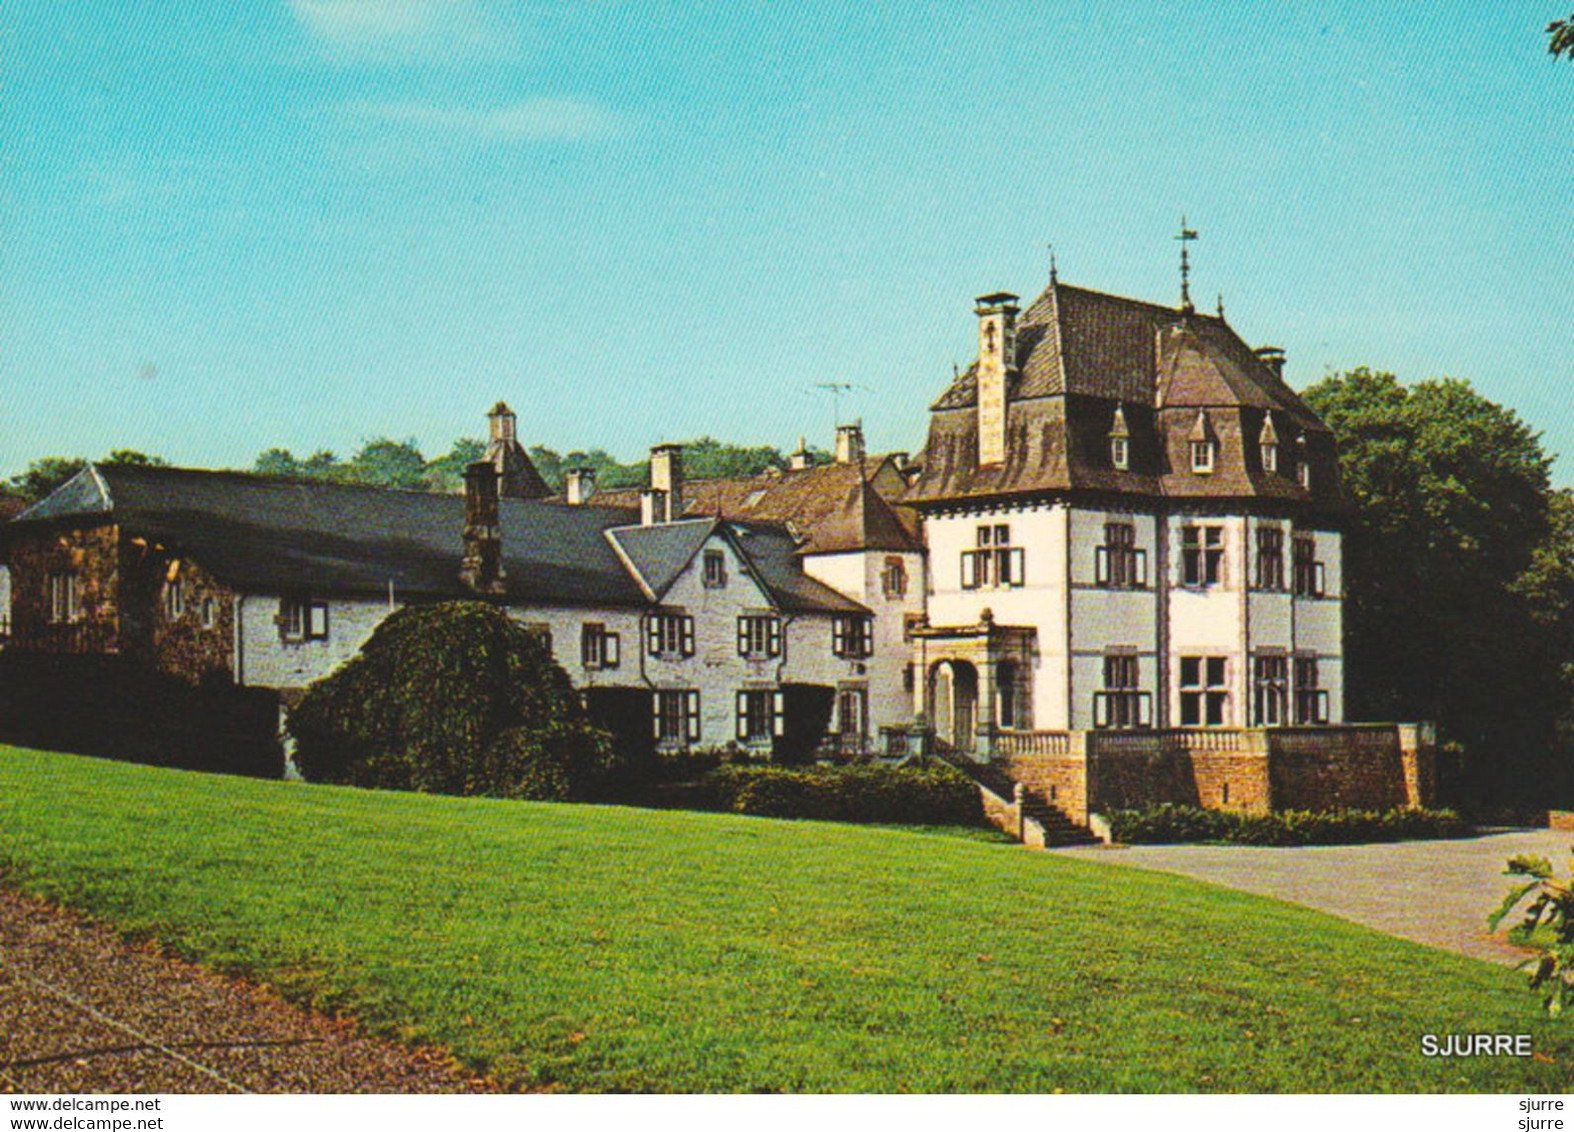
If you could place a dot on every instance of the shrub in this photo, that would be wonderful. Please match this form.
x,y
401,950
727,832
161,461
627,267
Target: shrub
x,y
454,698
1169,824
934,795
1549,912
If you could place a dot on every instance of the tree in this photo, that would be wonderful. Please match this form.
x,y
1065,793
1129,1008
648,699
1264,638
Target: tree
x,y
49,472
1560,35
389,463
447,473
455,698
277,462
1459,574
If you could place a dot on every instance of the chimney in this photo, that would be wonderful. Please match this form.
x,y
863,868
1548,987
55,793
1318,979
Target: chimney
x,y
652,507
666,476
517,476
481,569
579,485
997,333
503,424
850,443
1273,358
799,460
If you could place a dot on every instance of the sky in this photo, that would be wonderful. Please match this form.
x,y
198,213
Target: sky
x,y
309,223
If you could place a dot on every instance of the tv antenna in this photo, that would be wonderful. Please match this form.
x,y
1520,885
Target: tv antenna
x,y
836,389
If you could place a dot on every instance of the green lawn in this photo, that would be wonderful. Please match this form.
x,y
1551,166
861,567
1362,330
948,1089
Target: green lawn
x,y
613,948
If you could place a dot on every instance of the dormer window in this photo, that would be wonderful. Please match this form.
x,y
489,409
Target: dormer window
x,y
1120,453
1303,474
1270,457
1202,457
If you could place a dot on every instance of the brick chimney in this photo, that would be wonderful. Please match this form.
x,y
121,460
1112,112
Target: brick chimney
x,y
666,476
997,335
850,443
799,460
579,485
481,569
1273,358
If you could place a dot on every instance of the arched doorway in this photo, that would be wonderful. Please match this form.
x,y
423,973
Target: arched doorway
x,y
953,690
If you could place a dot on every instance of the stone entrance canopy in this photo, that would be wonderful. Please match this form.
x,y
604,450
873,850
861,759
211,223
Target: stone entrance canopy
x,y
973,680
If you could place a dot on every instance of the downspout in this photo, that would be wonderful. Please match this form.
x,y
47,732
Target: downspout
x,y
239,662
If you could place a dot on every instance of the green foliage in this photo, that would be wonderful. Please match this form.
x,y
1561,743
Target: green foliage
x,y
606,948
447,472
454,698
1547,927
1459,574
1560,38
49,472
389,463
1167,824
933,795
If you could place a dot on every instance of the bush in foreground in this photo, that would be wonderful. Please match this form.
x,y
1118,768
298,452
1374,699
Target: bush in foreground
x,y
933,795
1169,824
454,698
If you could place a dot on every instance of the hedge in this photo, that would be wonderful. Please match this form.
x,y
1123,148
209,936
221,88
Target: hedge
x,y
933,795
1168,824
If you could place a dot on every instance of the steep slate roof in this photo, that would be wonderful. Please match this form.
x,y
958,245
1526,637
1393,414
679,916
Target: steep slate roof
x,y
659,553
1081,355
272,535
830,507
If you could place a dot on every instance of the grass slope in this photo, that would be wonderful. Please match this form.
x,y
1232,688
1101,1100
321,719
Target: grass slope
x,y
605,948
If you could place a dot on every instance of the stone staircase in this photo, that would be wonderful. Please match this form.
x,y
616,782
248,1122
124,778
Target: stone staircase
x,y
1058,827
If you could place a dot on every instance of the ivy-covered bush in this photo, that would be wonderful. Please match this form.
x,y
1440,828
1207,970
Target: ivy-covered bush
x,y
1169,824
934,795
456,698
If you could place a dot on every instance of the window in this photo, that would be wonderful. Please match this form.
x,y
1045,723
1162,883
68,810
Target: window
x,y
1121,705
893,579
1270,690
174,599
1270,558
1120,453
715,569
1270,457
759,635
852,714
851,636
677,716
1311,702
1204,694
1118,563
1202,556
1309,577
759,715
671,635
542,632
65,598
302,619
1303,474
1202,457
996,563
209,613
599,648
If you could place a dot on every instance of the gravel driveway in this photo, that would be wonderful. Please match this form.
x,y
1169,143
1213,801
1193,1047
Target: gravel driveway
x,y
83,1012
1454,885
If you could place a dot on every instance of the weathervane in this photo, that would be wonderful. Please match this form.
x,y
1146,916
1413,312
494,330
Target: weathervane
x,y
1186,236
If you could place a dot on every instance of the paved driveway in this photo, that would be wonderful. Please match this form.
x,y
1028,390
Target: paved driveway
x,y
1385,887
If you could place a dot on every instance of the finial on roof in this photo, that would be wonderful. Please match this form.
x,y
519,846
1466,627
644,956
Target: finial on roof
x,y
1054,275
956,370
1221,306
1187,235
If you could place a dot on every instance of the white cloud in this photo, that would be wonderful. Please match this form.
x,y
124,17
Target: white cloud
x,y
400,30
534,119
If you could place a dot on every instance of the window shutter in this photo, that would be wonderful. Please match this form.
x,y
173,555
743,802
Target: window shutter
x,y
1100,709
319,620
655,702
609,650
1018,563
743,715
1322,707
773,636
743,636
778,715
969,570
653,635
1144,709
839,635
1139,560
692,711
688,636
1318,580
1101,565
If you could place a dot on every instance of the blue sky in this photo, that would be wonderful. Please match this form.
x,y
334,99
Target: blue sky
x,y
311,222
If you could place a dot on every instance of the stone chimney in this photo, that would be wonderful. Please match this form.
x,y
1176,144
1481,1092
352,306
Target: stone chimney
x,y
652,507
799,460
1273,358
579,485
666,476
850,443
481,569
997,341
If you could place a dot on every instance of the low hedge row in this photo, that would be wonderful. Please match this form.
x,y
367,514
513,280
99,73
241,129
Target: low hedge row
x,y
932,795
1165,824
